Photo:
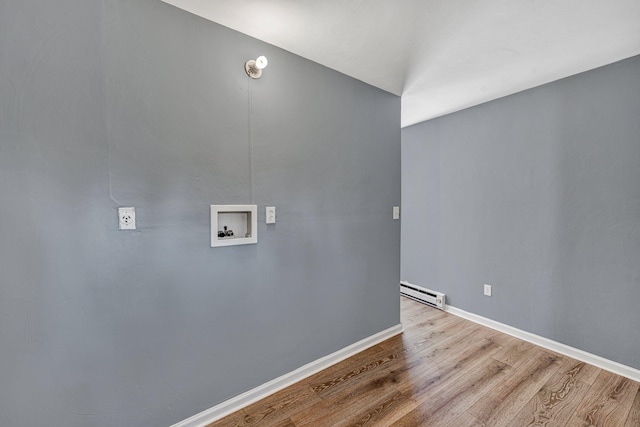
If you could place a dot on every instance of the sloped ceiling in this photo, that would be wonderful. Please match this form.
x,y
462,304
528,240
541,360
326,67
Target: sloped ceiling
x,y
440,55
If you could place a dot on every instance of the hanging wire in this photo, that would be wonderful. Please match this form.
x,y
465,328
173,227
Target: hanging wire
x,y
251,140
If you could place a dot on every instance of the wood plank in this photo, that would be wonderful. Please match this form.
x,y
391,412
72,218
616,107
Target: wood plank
x,y
459,395
384,413
514,352
465,420
432,378
415,314
413,311
374,383
453,343
499,406
558,399
361,396
370,397
360,362
338,383
234,419
283,423
633,419
364,409
427,331
502,339
585,373
607,403
274,410
434,352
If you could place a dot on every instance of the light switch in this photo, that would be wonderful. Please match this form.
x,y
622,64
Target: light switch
x,y
487,290
396,212
270,214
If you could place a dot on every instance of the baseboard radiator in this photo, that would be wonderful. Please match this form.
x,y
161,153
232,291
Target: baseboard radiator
x,y
424,295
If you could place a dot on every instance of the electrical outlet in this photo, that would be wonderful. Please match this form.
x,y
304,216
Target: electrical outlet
x,y
396,212
487,290
127,218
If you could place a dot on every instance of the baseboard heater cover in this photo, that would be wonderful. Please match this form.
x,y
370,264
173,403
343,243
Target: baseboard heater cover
x,y
424,295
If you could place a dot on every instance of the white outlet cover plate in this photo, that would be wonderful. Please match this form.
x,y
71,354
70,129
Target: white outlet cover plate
x,y
487,290
396,212
127,218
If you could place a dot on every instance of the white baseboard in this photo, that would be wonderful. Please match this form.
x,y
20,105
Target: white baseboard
x,y
592,359
245,399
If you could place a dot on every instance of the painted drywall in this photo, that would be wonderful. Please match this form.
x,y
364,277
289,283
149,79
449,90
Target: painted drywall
x,y
537,194
137,103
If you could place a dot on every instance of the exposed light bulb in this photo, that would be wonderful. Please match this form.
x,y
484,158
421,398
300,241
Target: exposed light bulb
x,y
254,67
261,62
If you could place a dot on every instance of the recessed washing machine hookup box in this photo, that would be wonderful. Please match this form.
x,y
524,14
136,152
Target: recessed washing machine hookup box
x,y
234,225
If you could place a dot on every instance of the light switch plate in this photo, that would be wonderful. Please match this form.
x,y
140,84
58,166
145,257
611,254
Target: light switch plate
x,y
396,212
270,214
487,290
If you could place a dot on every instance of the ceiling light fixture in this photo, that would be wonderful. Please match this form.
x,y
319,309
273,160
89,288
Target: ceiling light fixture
x,y
254,67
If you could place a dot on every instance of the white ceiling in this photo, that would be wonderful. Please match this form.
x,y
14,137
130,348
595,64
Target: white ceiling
x,y
440,55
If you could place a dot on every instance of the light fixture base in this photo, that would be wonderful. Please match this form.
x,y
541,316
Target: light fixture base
x,y
251,69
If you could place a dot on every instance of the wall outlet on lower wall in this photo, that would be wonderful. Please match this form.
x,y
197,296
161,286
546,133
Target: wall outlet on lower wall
x,y
487,290
127,218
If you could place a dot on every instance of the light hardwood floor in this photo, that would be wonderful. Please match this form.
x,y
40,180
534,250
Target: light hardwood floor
x,y
447,371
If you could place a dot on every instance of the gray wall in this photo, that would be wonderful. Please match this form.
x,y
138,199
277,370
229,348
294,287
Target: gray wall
x,y
538,194
136,103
